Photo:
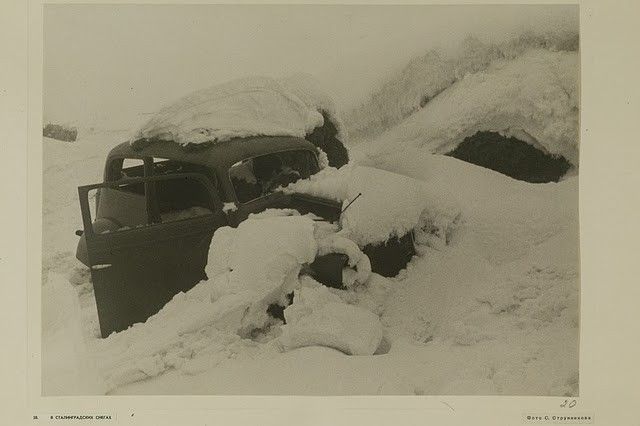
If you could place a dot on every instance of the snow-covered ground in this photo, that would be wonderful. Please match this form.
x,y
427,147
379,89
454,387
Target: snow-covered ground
x,y
490,308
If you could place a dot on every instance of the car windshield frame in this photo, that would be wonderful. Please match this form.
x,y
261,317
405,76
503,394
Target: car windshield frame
x,y
314,165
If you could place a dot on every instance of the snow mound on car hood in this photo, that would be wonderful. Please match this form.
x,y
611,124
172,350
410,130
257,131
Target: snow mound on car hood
x,y
389,204
252,106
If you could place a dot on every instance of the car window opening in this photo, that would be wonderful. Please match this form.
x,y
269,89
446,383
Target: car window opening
x,y
259,176
137,205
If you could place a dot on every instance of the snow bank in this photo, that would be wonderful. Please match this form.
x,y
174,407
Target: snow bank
x,y
319,317
501,301
426,76
389,205
534,97
245,107
65,356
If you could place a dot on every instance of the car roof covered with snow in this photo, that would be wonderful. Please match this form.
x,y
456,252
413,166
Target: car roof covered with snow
x,y
250,106
220,154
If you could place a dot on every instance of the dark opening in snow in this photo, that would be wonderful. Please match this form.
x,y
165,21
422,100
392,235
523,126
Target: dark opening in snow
x,y
512,157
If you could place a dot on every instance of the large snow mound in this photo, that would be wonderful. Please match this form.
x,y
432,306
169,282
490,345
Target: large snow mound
x,y
426,76
534,97
251,106
387,204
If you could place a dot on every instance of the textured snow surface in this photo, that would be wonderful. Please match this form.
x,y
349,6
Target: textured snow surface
x,y
245,107
534,97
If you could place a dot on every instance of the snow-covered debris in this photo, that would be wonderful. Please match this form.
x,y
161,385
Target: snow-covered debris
x,y
319,317
534,97
245,107
390,204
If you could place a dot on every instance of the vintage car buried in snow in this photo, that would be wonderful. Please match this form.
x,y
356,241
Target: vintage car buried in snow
x,y
147,234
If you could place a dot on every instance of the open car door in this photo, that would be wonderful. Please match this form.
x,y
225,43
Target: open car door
x,y
147,239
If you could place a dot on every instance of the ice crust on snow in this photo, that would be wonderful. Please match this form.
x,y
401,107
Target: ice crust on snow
x,y
251,106
319,317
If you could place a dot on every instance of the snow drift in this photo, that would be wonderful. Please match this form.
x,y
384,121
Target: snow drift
x,y
534,97
426,76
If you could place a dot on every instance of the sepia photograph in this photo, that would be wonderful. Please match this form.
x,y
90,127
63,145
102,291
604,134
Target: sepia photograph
x,y
328,200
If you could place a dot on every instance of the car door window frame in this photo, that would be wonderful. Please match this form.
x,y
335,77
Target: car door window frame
x,y
150,199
